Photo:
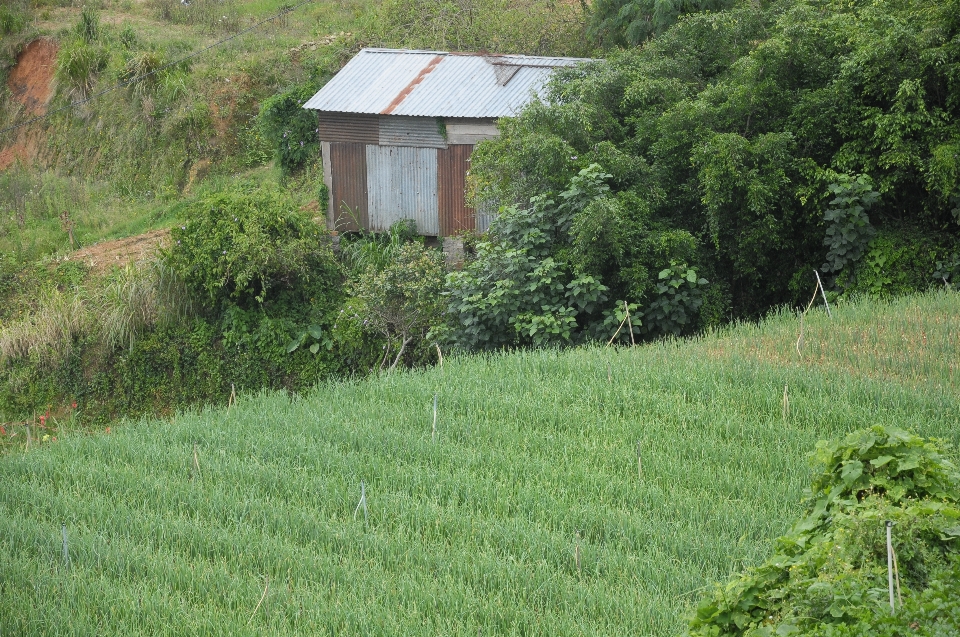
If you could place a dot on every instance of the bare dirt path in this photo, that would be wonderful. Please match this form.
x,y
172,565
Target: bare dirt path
x,y
104,256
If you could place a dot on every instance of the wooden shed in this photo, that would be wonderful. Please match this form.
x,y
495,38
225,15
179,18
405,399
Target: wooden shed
x,y
397,129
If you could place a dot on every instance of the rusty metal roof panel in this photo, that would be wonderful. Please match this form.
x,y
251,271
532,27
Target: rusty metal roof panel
x,y
436,84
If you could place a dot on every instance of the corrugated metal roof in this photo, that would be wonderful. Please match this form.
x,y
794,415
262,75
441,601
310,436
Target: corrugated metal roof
x,y
436,84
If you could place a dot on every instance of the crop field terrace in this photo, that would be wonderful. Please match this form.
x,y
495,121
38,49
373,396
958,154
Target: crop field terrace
x,y
526,511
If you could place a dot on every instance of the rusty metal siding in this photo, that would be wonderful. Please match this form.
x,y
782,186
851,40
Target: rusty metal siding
x,y
349,127
402,184
349,186
452,166
400,130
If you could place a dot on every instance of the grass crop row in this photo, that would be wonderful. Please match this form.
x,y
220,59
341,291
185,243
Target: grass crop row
x,y
528,515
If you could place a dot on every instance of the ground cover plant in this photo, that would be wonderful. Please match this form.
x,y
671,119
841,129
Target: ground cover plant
x,y
589,491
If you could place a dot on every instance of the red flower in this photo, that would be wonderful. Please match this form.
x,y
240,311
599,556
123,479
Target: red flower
x,y
43,419
3,431
108,429
54,439
73,405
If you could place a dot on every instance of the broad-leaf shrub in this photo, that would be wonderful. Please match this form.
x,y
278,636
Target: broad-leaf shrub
x,y
679,297
828,575
244,244
848,227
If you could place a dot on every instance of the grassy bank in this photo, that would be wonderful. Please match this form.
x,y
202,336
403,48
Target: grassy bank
x,y
526,513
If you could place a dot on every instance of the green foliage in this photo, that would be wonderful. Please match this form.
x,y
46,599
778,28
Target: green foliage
x,y
240,244
848,228
632,22
12,19
79,63
291,129
402,301
522,287
732,126
525,514
678,298
533,27
830,569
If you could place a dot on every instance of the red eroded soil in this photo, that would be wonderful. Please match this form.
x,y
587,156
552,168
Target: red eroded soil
x,y
30,83
104,256
30,80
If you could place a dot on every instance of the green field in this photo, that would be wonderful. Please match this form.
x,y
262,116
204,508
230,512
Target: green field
x,y
527,515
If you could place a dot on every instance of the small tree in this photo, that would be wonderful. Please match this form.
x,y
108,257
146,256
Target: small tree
x,y
403,299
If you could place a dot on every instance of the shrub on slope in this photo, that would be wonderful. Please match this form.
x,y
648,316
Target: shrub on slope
x,y
828,576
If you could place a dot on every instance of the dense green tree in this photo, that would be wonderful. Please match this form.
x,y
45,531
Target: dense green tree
x,y
744,130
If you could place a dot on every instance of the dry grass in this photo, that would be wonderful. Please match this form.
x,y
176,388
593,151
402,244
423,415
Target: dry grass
x,y
49,334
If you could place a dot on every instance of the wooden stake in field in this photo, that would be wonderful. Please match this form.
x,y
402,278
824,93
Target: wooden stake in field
x,y
639,462
433,436
66,550
576,553
266,587
786,405
196,463
893,608
233,397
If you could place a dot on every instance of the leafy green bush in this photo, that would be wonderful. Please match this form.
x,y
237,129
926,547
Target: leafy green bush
x,y
631,22
291,129
731,126
848,228
829,573
522,288
679,297
79,63
248,242
402,301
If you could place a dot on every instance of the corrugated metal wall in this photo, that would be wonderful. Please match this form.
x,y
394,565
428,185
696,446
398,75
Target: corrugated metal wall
x,y
349,127
400,130
349,187
452,166
402,185
485,215
471,131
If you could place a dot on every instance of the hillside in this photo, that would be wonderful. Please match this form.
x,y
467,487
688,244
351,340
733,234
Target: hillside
x,y
526,513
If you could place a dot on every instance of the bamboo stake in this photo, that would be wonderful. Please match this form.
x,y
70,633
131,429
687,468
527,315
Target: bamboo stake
x,y
576,553
786,405
823,293
262,597
196,462
893,608
626,309
639,462
433,436
66,550
233,397
439,355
